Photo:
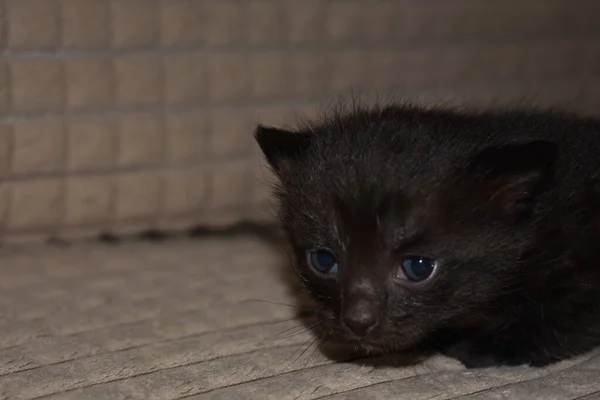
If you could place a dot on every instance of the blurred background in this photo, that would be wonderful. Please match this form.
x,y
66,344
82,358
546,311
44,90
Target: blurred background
x,y
126,115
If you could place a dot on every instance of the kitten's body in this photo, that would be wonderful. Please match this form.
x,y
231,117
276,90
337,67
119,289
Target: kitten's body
x,y
507,204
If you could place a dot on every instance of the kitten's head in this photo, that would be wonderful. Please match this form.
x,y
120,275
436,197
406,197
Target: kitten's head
x,y
404,221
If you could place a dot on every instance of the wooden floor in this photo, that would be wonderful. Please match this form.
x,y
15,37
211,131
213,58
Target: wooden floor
x,y
173,321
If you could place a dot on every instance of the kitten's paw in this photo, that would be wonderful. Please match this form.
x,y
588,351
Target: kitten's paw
x,y
471,357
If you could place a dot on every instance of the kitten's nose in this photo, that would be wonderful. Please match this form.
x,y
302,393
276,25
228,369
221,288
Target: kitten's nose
x,y
360,318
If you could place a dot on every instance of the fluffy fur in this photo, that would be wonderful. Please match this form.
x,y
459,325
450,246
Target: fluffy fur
x,y
507,201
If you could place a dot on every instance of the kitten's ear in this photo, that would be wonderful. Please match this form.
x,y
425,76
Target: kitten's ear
x,y
279,145
516,171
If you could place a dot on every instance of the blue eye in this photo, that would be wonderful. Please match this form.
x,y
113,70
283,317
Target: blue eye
x,y
417,268
323,261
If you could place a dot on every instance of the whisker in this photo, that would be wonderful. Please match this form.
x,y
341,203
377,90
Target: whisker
x,y
299,326
297,330
290,332
279,304
281,321
312,354
277,335
294,353
305,349
323,342
271,337
267,301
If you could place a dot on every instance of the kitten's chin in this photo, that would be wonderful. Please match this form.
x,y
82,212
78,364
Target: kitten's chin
x,y
380,341
380,344
372,348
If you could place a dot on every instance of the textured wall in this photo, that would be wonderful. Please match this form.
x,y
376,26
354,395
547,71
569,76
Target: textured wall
x,y
128,114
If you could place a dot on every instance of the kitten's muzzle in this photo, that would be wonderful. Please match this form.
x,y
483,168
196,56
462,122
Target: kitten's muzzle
x,y
359,316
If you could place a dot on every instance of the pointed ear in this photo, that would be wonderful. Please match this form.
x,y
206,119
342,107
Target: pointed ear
x,y
515,172
280,145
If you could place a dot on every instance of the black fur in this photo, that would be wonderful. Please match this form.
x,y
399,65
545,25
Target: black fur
x,y
507,201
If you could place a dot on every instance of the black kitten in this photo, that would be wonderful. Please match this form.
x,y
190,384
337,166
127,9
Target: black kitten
x,y
474,232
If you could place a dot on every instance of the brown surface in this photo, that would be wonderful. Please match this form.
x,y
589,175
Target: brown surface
x,y
169,321
128,114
